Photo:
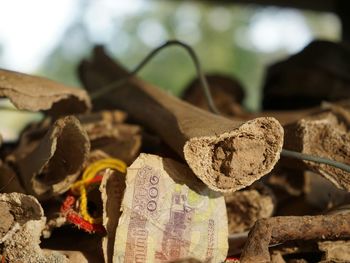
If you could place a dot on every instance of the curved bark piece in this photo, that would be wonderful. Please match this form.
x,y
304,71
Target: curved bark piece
x,y
235,159
110,135
225,154
281,229
112,189
245,207
40,94
51,167
21,222
325,135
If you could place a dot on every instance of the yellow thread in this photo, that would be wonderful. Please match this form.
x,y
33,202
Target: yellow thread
x,y
90,172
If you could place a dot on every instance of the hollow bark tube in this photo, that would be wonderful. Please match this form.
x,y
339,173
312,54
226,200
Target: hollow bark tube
x,y
54,164
225,154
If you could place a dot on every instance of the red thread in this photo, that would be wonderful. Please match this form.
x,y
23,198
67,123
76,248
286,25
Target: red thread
x,y
77,220
74,218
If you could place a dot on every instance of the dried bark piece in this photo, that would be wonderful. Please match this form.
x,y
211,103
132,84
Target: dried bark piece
x,y
118,140
276,257
245,207
324,135
30,138
226,155
112,190
39,94
21,222
281,229
108,134
51,167
335,251
112,117
284,116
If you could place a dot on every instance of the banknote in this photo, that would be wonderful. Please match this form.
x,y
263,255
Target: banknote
x,y
168,214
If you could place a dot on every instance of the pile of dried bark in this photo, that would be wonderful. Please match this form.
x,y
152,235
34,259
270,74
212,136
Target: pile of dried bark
x,y
137,175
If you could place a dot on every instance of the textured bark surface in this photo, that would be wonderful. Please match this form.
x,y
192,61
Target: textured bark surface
x,y
324,135
112,189
225,154
118,140
21,222
335,251
39,94
52,164
245,207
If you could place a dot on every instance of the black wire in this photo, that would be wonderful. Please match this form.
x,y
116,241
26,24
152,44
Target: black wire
x,y
316,159
114,85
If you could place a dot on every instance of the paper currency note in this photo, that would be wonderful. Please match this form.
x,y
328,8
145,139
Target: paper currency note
x,y
167,214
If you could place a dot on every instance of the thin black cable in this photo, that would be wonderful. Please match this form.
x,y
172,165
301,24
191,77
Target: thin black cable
x,y
204,84
114,85
316,159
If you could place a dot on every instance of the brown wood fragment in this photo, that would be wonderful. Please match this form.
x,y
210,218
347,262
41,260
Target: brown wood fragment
x,y
21,222
112,117
335,251
225,154
324,135
245,207
112,189
277,258
108,134
53,163
39,94
281,229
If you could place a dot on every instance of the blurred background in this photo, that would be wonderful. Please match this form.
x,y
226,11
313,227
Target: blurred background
x,y
49,38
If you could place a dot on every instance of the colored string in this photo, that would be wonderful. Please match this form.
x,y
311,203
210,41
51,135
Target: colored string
x,y
73,217
89,176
